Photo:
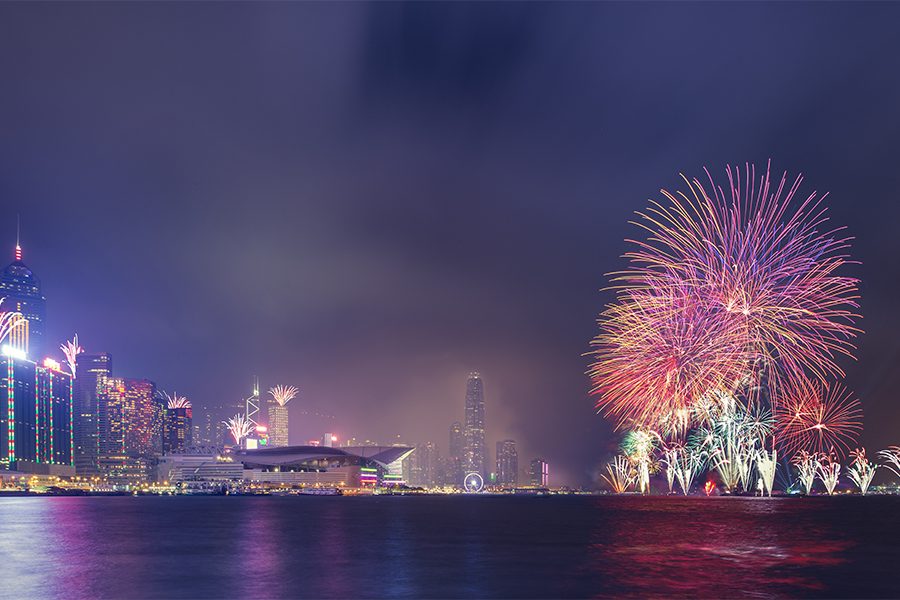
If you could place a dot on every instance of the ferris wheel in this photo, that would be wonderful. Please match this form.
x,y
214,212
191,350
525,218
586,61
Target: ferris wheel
x,y
473,483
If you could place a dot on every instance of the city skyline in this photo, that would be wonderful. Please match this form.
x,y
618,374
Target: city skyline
x,y
119,425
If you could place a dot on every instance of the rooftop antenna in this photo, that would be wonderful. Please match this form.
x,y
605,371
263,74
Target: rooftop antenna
x,y
18,247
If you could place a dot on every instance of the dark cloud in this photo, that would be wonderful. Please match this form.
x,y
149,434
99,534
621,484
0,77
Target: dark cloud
x,y
369,200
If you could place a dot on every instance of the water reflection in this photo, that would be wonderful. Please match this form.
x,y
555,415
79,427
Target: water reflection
x,y
703,547
448,547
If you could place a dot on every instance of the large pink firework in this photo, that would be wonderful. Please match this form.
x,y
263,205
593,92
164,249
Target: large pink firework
x,y
659,351
757,293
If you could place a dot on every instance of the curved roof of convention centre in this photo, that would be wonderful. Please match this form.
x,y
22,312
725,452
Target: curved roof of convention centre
x,y
284,455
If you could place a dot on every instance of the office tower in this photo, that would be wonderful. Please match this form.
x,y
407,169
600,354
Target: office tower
x,y
20,291
540,473
251,406
475,458
278,425
278,413
92,372
507,463
131,418
423,465
37,434
454,470
179,430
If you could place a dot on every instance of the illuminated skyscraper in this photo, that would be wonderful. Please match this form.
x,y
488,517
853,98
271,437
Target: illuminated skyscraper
x,y
20,290
423,465
507,463
93,370
278,424
475,450
36,436
178,428
131,418
540,472
454,470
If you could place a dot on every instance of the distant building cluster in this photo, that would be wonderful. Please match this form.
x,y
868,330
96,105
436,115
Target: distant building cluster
x,y
467,454
78,419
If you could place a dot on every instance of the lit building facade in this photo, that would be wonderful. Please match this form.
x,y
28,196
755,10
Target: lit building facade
x,y
278,425
454,468
507,463
424,466
131,418
37,436
178,429
475,449
92,372
540,473
20,291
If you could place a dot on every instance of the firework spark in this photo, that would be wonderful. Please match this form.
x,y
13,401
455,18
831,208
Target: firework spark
x,y
239,426
829,470
689,463
8,321
71,350
175,401
659,352
620,475
283,394
862,470
767,464
670,462
818,418
807,464
891,458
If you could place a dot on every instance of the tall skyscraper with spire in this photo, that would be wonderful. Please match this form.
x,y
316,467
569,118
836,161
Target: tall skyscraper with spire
x,y
20,290
476,451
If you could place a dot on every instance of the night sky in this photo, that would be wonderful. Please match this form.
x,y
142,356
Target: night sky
x,y
370,200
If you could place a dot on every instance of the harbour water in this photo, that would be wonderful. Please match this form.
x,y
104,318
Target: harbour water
x,y
449,547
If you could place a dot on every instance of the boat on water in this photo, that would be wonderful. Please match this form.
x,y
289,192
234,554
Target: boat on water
x,y
320,492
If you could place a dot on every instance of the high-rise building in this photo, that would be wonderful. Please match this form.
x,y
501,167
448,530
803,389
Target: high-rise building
x,y
92,371
131,418
475,458
37,434
455,457
278,425
507,463
540,472
423,465
20,291
178,426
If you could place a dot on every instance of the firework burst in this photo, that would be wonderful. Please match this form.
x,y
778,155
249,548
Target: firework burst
x,y
175,401
807,465
659,352
71,350
862,470
8,321
621,475
891,458
829,469
818,417
734,291
239,426
283,394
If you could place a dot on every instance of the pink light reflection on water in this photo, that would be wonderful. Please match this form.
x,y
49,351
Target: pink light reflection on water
x,y
715,547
